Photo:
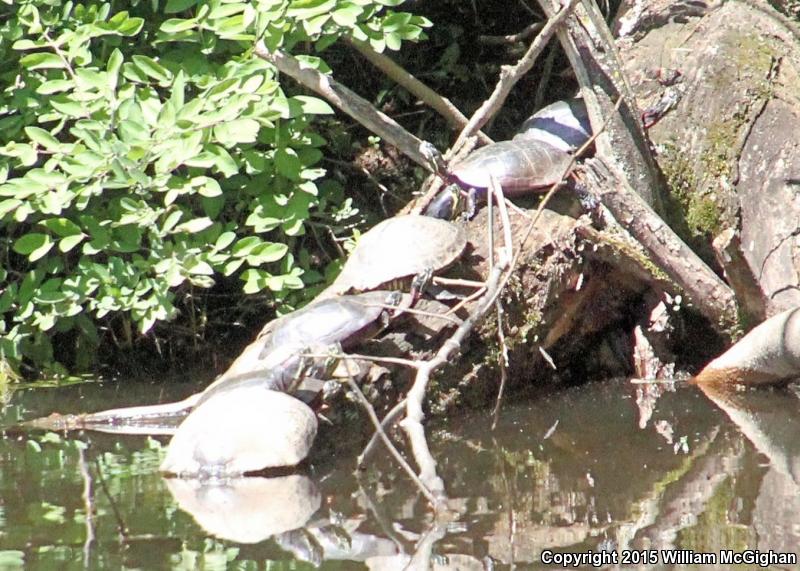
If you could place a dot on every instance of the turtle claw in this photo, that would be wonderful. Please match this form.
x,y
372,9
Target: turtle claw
x,y
420,283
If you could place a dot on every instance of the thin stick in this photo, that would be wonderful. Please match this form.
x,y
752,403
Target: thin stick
x,y
390,417
496,194
412,424
510,75
388,443
441,105
354,105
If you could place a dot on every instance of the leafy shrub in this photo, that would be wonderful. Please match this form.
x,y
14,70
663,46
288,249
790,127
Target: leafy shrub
x,y
146,151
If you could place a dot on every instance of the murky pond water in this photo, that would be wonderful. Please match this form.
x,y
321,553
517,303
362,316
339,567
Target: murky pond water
x,y
601,467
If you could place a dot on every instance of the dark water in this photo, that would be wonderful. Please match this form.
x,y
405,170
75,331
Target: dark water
x,y
592,468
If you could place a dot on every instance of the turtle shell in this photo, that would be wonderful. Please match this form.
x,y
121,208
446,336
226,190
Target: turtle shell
x,y
563,124
399,248
274,357
239,431
519,165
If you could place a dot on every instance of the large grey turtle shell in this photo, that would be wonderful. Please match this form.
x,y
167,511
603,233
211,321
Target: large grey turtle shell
x,y
325,322
398,248
274,357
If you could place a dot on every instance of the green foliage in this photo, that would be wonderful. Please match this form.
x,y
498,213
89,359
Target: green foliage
x,y
145,152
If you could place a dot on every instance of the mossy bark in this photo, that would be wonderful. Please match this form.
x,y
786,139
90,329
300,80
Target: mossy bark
x,y
728,149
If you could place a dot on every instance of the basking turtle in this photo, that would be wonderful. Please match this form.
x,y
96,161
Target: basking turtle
x,y
238,431
535,158
397,249
275,359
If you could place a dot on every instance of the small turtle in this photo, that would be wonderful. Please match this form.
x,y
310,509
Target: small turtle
x,y
535,158
396,249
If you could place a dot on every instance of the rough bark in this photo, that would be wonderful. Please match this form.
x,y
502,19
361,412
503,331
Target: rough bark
x,y
729,148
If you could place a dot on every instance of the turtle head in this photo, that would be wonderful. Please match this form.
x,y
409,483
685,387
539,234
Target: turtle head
x,y
447,204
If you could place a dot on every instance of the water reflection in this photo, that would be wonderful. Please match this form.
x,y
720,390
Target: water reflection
x,y
606,466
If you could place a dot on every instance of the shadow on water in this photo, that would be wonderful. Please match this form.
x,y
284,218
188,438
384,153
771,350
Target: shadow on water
x,y
605,466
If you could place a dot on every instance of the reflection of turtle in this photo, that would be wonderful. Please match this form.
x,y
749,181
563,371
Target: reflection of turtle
x,y
396,249
535,158
247,429
275,359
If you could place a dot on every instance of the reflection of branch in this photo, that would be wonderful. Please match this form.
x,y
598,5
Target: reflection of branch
x,y
379,429
390,417
88,505
122,529
692,493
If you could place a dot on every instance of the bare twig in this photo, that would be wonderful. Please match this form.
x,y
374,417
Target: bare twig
x,y
496,194
526,33
355,106
440,104
412,424
510,75
388,443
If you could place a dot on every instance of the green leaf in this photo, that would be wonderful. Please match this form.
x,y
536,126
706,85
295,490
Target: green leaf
x,y
8,205
237,131
255,280
42,60
43,138
174,6
29,243
67,243
346,15
33,245
393,41
55,86
246,245
177,25
194,226
62,227
131,27
304,9
68,106
287,163
225,239
267,252
26,45
152,68
313,105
